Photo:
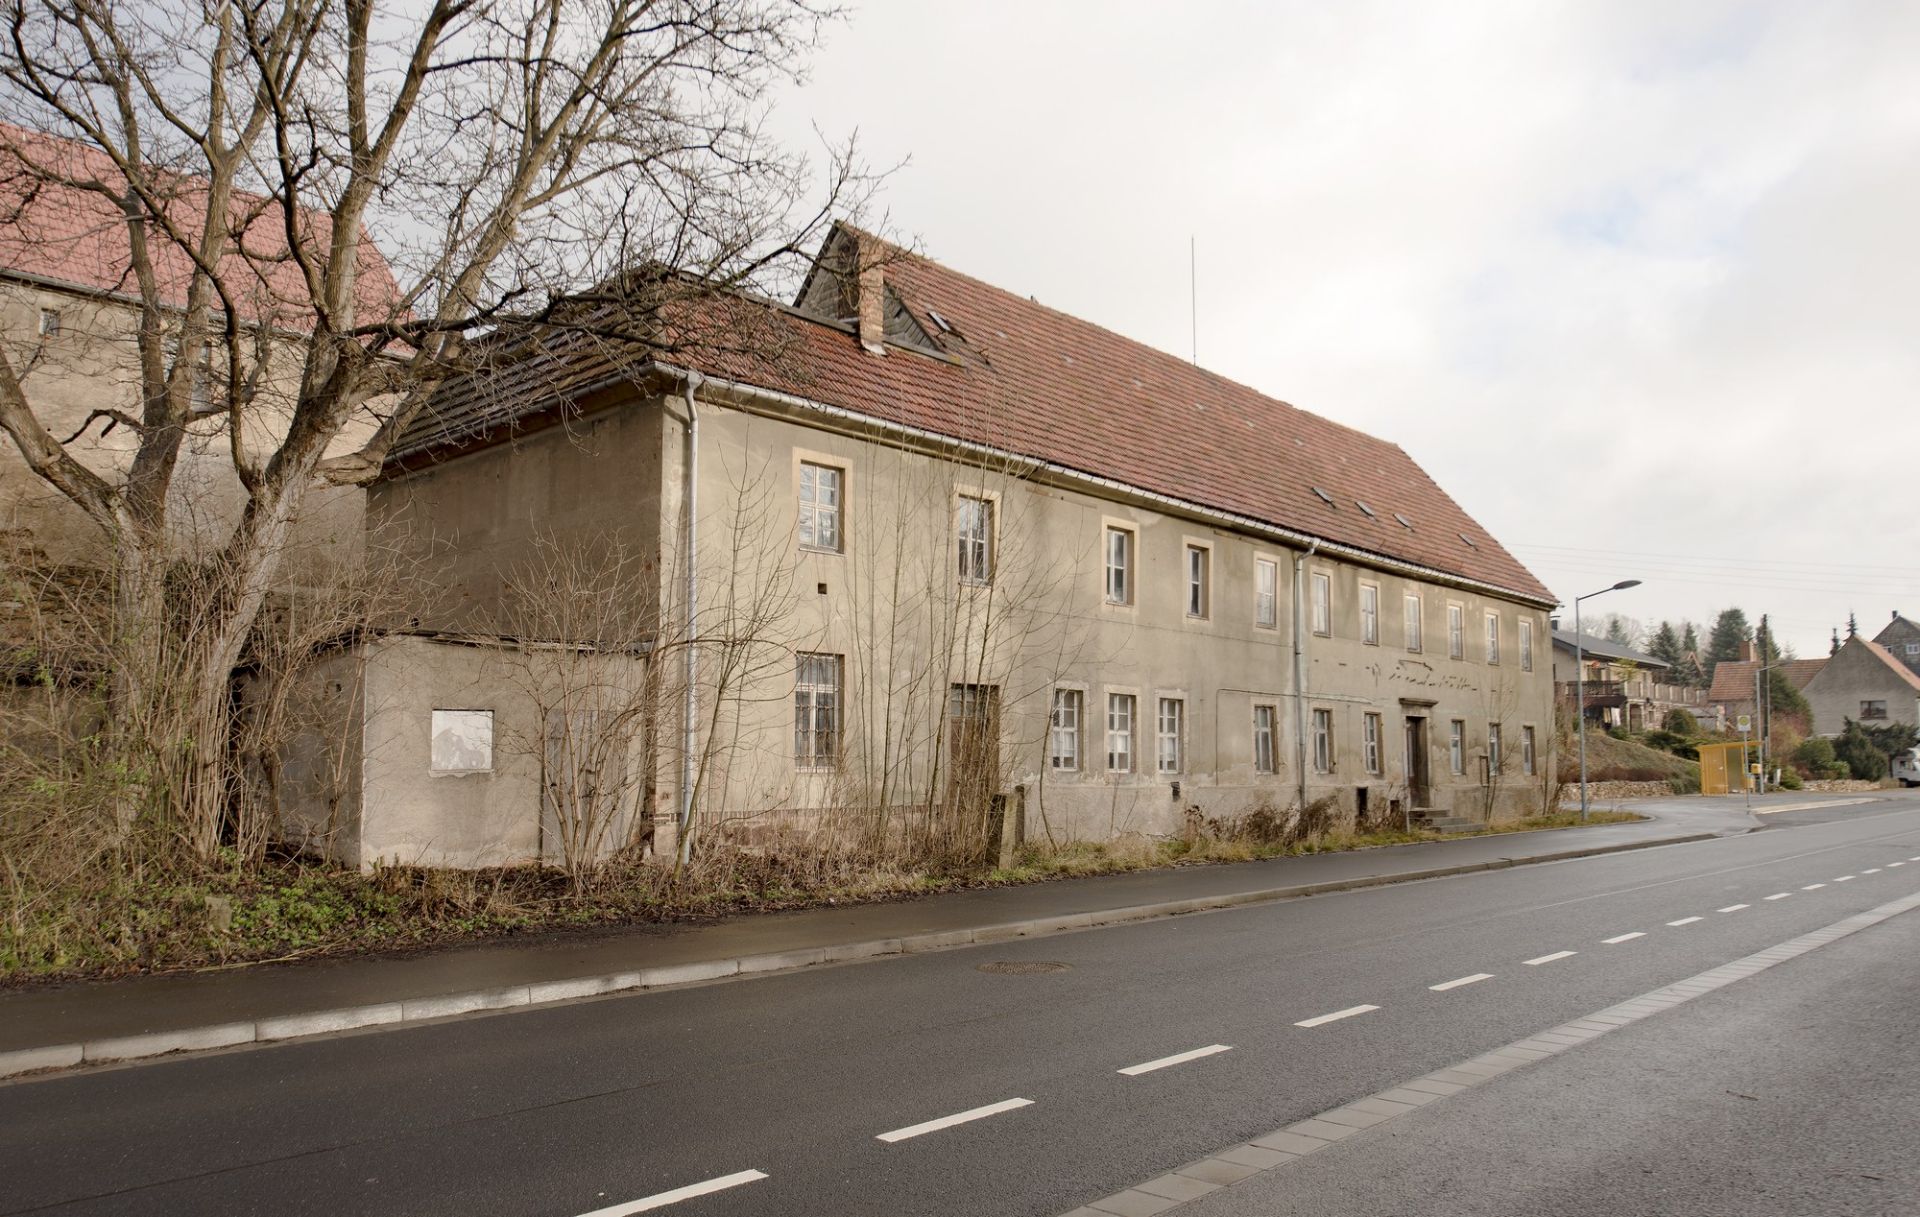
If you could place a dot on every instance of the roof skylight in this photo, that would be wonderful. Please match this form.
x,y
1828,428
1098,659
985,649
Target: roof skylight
x,y
1404,521
1363,507
1469,541
1325,497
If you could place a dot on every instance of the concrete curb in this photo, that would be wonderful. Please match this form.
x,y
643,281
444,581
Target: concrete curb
x,y
421,1009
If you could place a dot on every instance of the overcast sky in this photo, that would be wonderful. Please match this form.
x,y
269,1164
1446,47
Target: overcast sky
x,y
1638,283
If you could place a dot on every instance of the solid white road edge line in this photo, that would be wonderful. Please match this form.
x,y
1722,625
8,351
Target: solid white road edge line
x,y
1733,908
1624,937
959,1117
1684,921
1534,963
663,1199
1356,1119
1349,1012
1178,1058
1476,978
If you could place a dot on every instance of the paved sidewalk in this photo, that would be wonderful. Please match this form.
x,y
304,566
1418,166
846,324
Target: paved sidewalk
x,y
150,1015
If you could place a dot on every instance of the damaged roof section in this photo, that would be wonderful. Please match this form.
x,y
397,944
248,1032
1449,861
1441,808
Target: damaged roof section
x,y
881,332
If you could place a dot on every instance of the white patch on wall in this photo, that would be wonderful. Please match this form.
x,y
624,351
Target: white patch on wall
x,y
462,741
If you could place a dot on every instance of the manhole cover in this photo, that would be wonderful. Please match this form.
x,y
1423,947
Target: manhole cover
x,y
1023,967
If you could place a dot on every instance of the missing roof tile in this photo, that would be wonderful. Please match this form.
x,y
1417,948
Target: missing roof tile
x,y
946,327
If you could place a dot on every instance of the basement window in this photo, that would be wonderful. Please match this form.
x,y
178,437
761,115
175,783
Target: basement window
x,y
462,741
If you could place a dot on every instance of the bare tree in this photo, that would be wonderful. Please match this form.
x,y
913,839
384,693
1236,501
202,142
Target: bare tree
x,y
500,154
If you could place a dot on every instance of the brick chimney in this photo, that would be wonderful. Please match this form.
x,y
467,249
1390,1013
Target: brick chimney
x,y
871,297
1747,652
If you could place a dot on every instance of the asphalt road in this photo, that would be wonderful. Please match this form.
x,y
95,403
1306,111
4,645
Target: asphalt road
x,y
563,1111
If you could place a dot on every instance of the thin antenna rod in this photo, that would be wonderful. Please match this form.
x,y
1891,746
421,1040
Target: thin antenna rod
x,y
1193,295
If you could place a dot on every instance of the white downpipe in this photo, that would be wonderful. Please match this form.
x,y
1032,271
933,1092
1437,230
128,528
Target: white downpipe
x,y
690,699
1300,670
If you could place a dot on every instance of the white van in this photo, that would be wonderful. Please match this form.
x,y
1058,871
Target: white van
x,y
1906,767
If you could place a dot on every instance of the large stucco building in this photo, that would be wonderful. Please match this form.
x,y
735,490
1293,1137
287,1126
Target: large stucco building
x,y
956,557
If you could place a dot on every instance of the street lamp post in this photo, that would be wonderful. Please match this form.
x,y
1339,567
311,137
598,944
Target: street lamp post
x,y
1580,682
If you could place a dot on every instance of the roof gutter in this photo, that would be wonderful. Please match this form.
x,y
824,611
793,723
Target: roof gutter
x,y
749,394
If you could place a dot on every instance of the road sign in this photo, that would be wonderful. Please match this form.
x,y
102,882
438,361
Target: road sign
x,y
1744,722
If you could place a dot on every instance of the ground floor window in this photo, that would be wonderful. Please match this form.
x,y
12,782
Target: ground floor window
x,y
1457,746
1323,741
1120,708
1068,708
1172,724
1370,738
1263,739
816,711
1526,751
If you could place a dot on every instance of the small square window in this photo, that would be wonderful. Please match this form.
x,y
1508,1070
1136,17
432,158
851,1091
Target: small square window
x,y
49,323
462,741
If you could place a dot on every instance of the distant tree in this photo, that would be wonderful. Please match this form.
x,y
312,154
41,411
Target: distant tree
x,y
1854,748
1892,738
1680,722
1617,631
1730,630
1690,671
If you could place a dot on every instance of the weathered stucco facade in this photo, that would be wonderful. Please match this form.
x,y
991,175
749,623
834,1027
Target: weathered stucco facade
x,y
1864,682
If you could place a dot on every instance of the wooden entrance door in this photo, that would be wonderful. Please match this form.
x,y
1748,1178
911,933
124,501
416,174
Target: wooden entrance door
x,y
1418,790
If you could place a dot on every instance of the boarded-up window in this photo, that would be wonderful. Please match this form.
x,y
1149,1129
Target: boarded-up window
x,y
462,741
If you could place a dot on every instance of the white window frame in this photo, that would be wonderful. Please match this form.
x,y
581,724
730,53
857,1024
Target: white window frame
x,y
50,320
1493,751
1371,725
1457,746
1063,735
1370,614
1456,631
1264,756
1527,754
816,711
1526,645
1266,593
1493,638
1323,740
1199,571
1123,716
1320,591
1413,621
811,480
973,529
1119,566
1170,736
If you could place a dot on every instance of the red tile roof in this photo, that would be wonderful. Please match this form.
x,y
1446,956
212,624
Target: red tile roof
x,y
1733,678
53,229
1030,380
1892,661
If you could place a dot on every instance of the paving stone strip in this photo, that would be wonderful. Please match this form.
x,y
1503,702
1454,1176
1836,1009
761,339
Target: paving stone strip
x,y
1277,1148
418,1009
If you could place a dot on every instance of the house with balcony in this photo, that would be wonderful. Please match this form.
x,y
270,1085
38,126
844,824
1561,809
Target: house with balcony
x,y
1623,687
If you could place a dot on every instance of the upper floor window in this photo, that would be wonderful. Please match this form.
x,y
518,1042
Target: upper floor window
x,y
1369,614
1323,741
973,535
1265,597
1526,645
1069,706
1413,622
1493,638
816,711
1172,727
1199,562
1263,739
1119,566
1322,604
49,323
820,494
1456,632
1120,709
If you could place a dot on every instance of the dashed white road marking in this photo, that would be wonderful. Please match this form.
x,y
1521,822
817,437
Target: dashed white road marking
x,y
1534,963
958,1117
1349,1012
1624,937
1684,921
1891,865
1844,878
1475,979
1178,1058
1779,895
1813,887
1733,908
1874,871
1915,858
663,1199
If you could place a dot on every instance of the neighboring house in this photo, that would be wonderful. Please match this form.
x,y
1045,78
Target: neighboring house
x,y
69,311
1736,684
1624,687
1865,682
959,557
1901,638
